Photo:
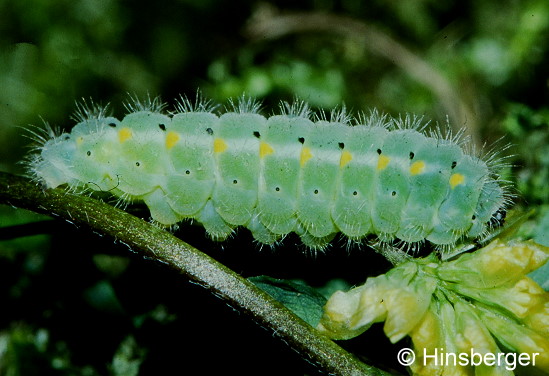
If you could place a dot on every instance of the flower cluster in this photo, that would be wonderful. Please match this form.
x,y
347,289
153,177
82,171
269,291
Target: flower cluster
x,y
481,302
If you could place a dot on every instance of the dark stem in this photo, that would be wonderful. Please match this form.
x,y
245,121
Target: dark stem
x,y
160,245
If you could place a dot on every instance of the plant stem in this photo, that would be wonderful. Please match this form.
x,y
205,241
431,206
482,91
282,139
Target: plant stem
x,y
160,245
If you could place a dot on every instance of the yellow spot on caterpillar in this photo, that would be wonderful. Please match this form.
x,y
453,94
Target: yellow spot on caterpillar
x,y
417,168
219,145
171,139
265,149
305,155
346,157
79,140
124,134
456,179
382,162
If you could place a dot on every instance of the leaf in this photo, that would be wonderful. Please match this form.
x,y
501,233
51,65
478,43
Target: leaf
x,y
298,297
541,275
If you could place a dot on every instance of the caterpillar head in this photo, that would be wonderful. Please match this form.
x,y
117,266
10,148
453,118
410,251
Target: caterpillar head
x,y
490,211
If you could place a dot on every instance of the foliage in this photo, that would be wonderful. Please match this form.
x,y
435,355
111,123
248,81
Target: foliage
x,y
468,304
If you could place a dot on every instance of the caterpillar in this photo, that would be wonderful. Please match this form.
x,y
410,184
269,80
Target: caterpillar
x,y
371,177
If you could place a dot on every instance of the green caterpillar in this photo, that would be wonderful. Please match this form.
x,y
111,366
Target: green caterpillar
x,y
286,173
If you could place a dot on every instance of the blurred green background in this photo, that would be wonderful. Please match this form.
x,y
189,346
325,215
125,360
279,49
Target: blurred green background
x,y
77,305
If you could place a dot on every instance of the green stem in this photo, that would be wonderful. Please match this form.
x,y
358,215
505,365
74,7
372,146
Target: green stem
x,y
195,265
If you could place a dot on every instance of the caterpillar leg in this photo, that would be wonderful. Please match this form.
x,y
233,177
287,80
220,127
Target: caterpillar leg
x,y
261,233
215,226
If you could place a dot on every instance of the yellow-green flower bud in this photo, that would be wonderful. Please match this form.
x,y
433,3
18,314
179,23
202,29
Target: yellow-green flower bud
x,y
496,264
538,319
471,332
427,336
473,336
520,297
400,297
348,314
518,338
406,306
456,312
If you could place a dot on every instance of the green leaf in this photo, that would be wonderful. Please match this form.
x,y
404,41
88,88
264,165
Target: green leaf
x,y
541,275
298,297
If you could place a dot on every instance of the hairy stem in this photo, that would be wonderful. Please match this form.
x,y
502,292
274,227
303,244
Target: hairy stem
x,y
158,244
